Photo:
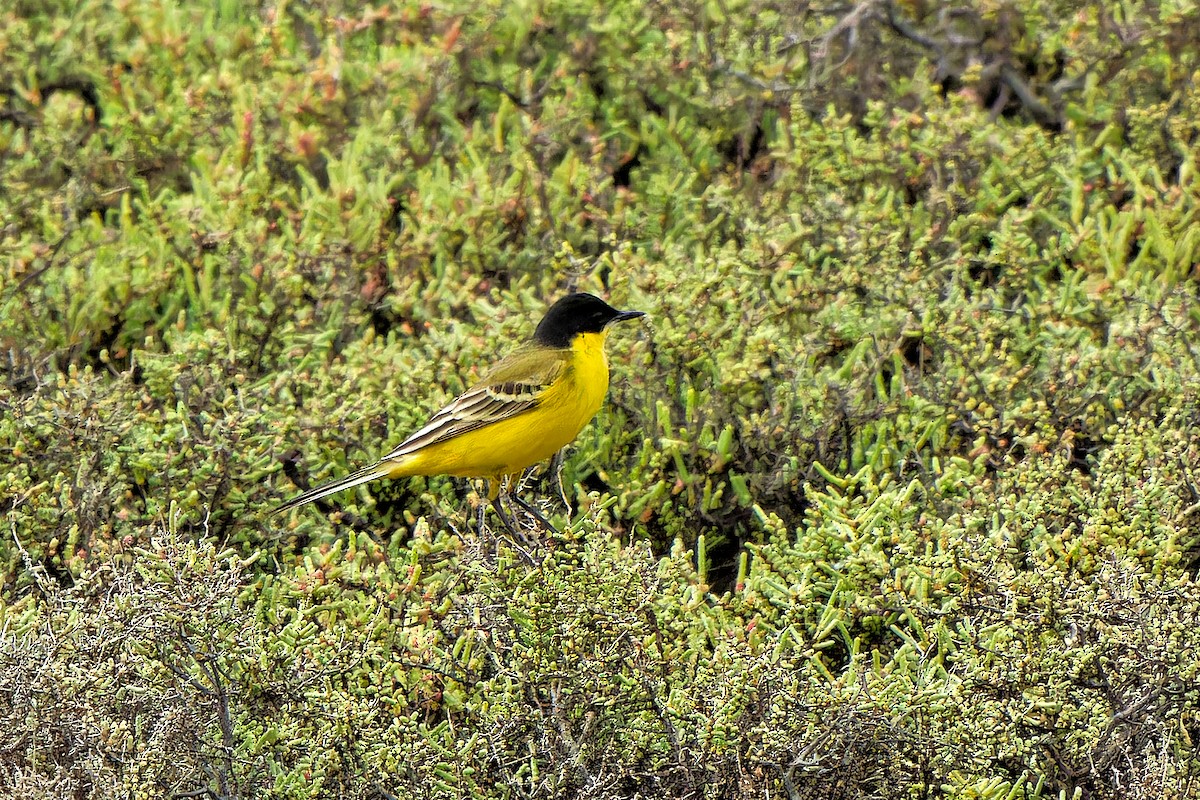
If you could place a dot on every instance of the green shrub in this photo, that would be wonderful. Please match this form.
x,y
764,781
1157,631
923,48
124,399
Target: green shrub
x,y
892,493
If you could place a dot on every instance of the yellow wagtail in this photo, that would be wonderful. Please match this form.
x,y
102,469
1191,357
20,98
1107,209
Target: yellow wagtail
x,y
532,404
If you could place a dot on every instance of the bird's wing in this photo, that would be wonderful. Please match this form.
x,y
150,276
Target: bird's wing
x,y
515,385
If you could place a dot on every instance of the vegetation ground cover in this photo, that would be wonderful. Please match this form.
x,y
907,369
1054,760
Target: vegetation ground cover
x,y
895,494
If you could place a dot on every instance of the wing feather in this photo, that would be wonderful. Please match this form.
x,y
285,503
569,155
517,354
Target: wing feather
x,y
514,386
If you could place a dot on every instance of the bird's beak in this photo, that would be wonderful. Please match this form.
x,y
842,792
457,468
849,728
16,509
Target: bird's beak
x,y
624,315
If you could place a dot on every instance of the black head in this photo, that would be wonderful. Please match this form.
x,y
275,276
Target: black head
x,y
574,314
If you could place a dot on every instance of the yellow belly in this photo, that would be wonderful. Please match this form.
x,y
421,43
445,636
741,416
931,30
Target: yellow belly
x,y
509,446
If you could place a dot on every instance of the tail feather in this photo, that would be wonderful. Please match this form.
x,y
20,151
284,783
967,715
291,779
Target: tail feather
x,y
333,487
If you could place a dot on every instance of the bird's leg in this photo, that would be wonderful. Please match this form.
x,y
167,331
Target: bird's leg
x,y
495,486
533,512
517,539
556,467
479,520
487,542
505,518
529,508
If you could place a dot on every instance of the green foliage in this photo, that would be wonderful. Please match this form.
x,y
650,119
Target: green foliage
x,y
893,495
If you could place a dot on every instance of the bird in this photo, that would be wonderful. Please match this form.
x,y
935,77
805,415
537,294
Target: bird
x,y
527,407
